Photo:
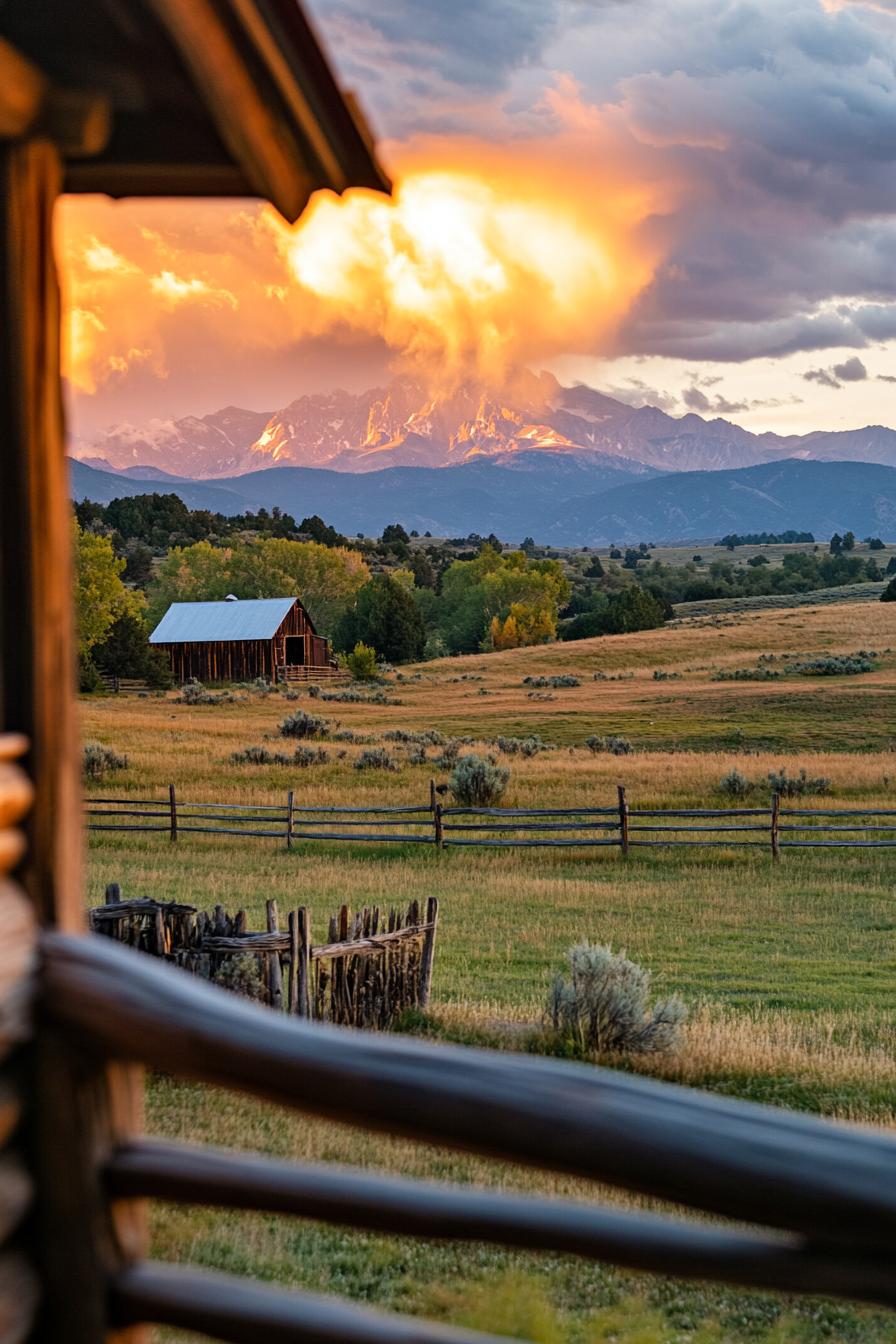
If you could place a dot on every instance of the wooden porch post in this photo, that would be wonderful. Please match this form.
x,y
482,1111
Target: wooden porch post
x,y
79,1106
36,533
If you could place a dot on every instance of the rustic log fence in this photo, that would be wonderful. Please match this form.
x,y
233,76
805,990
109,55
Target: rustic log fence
x,y
618,827
375,964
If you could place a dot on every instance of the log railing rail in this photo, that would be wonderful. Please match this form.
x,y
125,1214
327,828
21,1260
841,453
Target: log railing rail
x,y
619,827
819,1198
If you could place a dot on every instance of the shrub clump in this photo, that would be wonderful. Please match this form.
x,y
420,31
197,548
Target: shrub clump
x,y
241,975
615,745
660,675
354,695
100,760
302,724
376,758
361,662
735,785
522,746
557,683
797,786
302,757
425,737
194,693
478,781
603,1006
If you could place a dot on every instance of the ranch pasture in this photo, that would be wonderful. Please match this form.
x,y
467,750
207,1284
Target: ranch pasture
x,y
788,969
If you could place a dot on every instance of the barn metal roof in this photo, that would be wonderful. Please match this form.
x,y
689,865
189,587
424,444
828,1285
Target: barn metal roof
x,y
209,622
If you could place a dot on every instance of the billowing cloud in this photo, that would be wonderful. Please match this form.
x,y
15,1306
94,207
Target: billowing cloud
x,y
722,173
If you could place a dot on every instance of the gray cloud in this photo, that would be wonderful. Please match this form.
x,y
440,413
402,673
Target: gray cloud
x,y
852,370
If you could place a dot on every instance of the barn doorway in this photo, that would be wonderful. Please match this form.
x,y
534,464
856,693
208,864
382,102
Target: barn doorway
x,y
295,650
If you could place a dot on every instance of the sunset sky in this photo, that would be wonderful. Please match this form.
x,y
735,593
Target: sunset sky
x,y
685,202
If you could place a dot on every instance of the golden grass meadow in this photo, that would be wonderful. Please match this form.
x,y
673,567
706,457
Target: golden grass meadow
x,y
788,969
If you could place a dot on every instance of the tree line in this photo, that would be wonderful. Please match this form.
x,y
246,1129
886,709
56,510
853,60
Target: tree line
x,y
405,596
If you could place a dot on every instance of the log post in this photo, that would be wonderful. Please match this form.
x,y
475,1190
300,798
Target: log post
x,y
275,971
290,798
775,826
113,893
292,982
437,824
428,953
433,798
303,985
172,803
623,821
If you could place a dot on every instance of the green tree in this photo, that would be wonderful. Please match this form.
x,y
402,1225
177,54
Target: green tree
x,y
100,596
836,544
385,617
849,541
361,662
475,592
326,578
889,593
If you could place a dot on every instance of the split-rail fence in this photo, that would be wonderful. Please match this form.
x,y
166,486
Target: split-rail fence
x,y
619,826
374,965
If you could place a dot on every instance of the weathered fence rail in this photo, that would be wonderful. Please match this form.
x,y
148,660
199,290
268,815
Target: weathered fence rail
x,y
374,965
620,826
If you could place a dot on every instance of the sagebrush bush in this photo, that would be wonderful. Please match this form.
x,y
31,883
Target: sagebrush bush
x,y
564,679
522,746
735,785
615,745
100,760
376,758
303,724
478,781
241,975
797,786
602,1006
355,695
425,737
302,756
194,693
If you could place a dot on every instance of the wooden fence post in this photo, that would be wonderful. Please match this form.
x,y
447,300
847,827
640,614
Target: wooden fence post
x,y
775,827
623,821
289,816
291,1005
432,795
429,947
172,801
437,823
303,985
275,973
113,893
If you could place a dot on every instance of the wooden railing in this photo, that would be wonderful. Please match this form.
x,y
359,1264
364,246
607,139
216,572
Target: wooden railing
x,y
619,826
821,1197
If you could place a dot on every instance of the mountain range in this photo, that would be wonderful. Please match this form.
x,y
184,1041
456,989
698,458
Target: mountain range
x,y
403,425
564,465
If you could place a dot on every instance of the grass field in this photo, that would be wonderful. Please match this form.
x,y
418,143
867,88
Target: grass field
x,y
789,969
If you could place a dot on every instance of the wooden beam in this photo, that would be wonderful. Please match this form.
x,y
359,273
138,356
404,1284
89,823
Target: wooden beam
x,y
255,131
22,91
78,121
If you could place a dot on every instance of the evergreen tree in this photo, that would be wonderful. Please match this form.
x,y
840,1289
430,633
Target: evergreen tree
x,y
386,618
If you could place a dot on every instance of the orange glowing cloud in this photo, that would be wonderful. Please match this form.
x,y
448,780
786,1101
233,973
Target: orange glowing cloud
x,y
485,258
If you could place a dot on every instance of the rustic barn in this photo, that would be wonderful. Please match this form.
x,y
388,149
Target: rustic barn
x,y
237,640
